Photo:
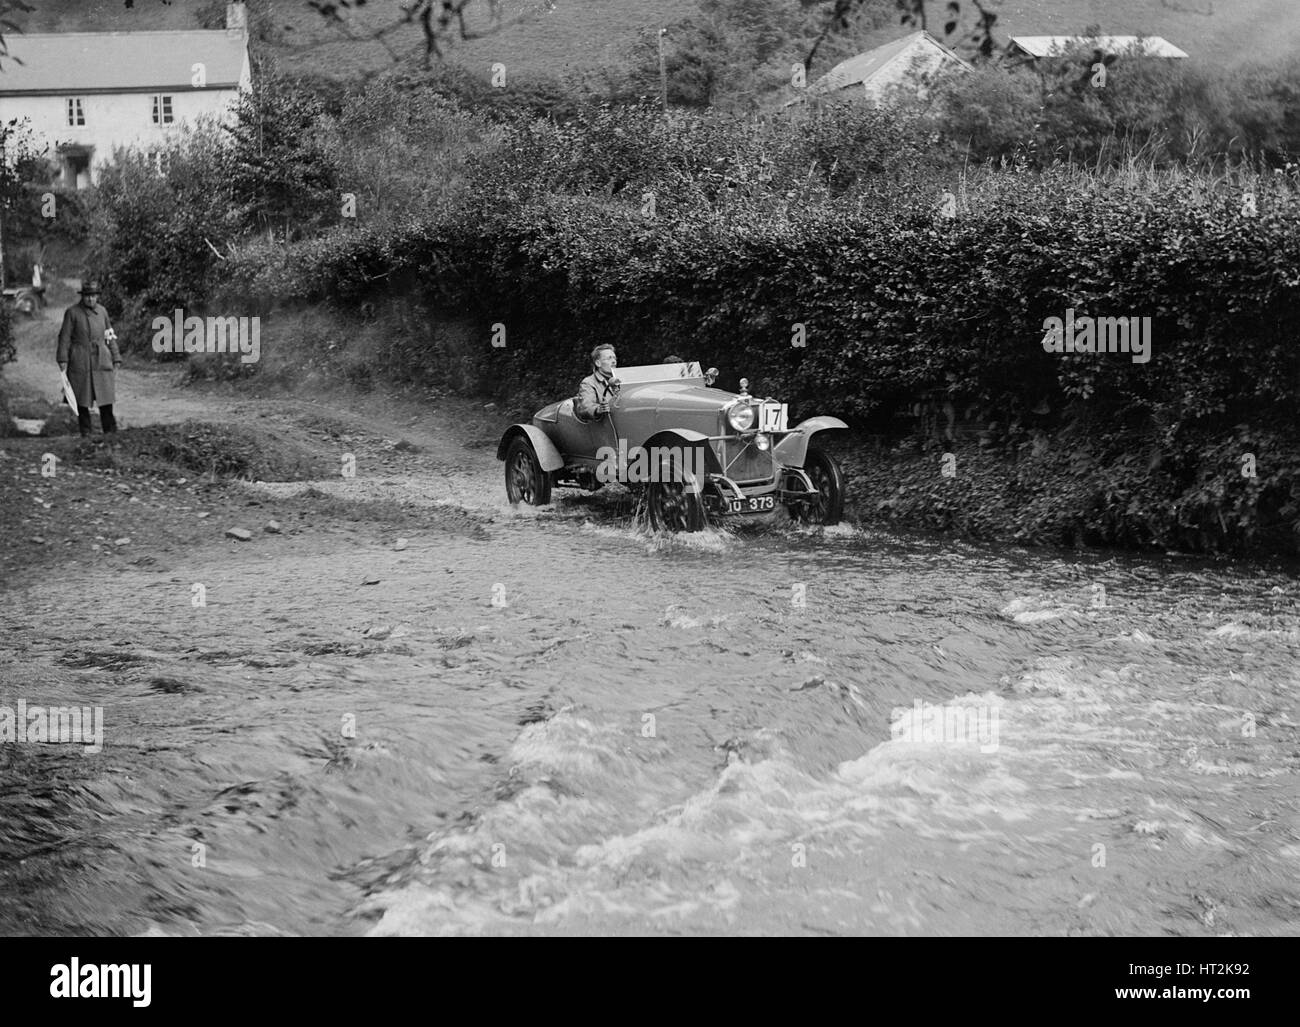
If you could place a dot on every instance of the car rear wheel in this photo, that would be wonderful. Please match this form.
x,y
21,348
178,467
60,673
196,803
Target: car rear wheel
x,y
824,472
671,502
525,480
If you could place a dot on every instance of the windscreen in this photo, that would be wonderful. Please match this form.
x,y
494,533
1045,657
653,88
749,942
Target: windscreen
x,y
659,372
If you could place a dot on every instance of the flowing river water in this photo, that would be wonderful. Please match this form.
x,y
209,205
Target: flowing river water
x,y
554,722
557,723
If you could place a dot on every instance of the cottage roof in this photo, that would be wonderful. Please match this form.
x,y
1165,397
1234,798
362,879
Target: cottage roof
x,y
1046,46
112,62
863,67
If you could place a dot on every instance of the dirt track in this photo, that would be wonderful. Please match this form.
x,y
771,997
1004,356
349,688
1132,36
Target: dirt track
x,y
404,450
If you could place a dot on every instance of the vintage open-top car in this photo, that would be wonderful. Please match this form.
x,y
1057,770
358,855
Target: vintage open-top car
x,y
695,451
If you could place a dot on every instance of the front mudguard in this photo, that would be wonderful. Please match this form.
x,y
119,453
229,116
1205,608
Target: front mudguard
x,y
792,449
548,457
686,437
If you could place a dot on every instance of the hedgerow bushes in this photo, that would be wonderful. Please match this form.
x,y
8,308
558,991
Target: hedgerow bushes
x,y
894,297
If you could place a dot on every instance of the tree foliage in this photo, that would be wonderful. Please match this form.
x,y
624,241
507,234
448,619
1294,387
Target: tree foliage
x,y
282,174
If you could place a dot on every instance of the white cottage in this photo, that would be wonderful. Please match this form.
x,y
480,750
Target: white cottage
x,y
88,93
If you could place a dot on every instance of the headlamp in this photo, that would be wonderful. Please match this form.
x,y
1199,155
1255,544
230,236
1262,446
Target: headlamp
x,y
741,417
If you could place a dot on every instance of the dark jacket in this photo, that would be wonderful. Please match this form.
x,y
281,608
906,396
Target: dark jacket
x,y
91,359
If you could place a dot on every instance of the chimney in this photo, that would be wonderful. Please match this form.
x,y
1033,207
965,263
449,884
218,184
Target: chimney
x,y
237,18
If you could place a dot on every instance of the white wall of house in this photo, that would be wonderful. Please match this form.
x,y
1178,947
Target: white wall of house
x,y
112,120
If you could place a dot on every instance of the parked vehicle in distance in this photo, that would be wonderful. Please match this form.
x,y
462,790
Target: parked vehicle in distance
x,y
697,452
25,299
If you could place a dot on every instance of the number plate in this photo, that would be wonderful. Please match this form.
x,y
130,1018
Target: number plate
x,y
772,417
754,504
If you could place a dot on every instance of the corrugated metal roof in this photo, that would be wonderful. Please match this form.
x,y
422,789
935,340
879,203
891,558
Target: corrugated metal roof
x,y
77,62
860,69
1046,46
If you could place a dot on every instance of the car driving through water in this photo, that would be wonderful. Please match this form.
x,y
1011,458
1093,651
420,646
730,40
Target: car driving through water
x,y
694,452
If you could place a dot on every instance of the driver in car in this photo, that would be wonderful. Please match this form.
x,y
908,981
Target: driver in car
x,y
600,388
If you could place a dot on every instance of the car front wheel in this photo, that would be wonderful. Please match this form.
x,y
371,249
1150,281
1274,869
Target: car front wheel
x,y
525,480
672,504
824,472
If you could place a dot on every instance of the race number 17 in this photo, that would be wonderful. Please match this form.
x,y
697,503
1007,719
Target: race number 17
x,y
772,417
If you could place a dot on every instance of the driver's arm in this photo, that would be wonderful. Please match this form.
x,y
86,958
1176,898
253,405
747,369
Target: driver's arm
x,y
587,405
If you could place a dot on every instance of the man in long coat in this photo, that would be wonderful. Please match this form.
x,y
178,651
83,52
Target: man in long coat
x,y
88,353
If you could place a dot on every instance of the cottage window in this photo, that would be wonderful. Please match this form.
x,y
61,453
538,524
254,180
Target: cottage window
x,y
76,114
162,110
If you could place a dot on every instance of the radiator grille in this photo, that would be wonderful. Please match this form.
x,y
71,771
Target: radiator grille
x,y
744,463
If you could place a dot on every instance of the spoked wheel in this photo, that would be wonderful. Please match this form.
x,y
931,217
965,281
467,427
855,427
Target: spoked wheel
x,y
672,503
525,480
827,478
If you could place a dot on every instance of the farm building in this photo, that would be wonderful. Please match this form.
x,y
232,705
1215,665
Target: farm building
x,y
1035,48
915,61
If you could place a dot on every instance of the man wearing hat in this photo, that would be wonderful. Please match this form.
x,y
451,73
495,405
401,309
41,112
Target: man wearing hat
x,y
88,353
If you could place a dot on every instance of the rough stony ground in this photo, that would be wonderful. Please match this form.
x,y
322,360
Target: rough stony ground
x,y
111,499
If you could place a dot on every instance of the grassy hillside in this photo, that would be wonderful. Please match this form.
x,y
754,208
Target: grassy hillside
x,y
106,15
577,33
1222,31
570,37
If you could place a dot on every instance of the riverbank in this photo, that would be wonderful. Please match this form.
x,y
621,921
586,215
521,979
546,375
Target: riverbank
x,y
1066,492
